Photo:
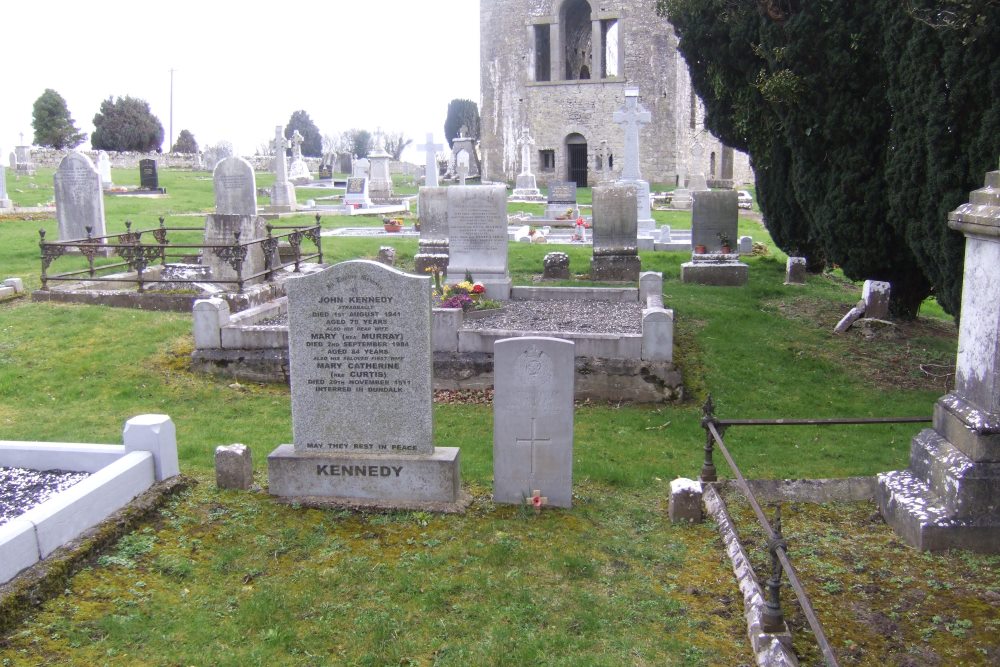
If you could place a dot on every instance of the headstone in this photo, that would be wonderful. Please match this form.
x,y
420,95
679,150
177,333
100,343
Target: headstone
x,y
605,174
467,144
697,182
852,316
433,245
387,255
357,193
875,294
685,501
220,230
5,201
665,234
283,191
104,169
149,179
533,420
714,221
746,245
561,202
430,150
360,362
555,266
380,183
235,187
233,467
949,497
632,117
616,255
360,168
24,164
795,271
477,236
525,187
79,198
13,161
326,166
298,170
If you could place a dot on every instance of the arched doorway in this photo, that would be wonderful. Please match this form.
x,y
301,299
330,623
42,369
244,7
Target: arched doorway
x,y
576,159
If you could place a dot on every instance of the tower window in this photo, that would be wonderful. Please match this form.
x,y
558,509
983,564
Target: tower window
x,y
543,56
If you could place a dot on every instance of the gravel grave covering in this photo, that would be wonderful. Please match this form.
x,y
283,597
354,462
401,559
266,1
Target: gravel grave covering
x,y
21,489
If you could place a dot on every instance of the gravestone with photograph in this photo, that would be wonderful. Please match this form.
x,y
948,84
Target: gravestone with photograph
x,y
356,195
616,253
360,364
79,198
477,236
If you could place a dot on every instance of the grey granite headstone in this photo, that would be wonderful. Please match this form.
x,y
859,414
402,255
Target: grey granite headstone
x,y
477,236
616,255
875,294
533,420
235,187
79,198
432,203
561,200
359,338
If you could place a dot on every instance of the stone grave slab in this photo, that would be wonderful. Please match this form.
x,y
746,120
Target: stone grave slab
x,y
477,236
235,187
79,198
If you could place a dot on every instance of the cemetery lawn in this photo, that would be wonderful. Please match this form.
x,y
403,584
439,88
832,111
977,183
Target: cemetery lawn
x,y
229,578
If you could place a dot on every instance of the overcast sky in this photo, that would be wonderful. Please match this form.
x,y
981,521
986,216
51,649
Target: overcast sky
x,y
241,68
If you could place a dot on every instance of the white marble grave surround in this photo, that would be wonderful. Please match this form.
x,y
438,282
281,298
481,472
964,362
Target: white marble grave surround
x,y
533,420
79,198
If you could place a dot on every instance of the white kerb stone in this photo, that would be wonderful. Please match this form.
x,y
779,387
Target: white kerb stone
x,y
155,434
658,334
18,547
16,283
209,316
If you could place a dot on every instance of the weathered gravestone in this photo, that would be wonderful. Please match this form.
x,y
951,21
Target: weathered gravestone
x,y
236,211
360,362
795,271
360,168
298,170
525,186
714,221
380,183
79,198
149,178
233,467
875,294
616,255
561,201
12,158
104,169
477,236
24,164
432,203
949,497
235,187
533,420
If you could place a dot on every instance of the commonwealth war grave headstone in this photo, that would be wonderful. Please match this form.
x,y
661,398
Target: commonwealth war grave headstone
x,y
360,363
79,198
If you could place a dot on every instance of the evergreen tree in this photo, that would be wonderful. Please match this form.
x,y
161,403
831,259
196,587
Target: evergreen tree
x,y
126,124
185,143
53,125
312,140
358,141
461,113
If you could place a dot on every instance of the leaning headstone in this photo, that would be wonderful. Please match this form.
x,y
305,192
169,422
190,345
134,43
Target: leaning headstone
x,y
561,202
360,363
235,187
714,221
104,169
233,467
616,255
795,271
477,236
875,294
632,117
79,198
533,420
949,497
149,178
432,253
852,316
555,266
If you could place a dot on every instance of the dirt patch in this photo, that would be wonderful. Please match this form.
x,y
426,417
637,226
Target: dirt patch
x,y
917,354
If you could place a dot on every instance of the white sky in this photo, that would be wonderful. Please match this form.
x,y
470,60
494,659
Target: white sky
x,y
241,68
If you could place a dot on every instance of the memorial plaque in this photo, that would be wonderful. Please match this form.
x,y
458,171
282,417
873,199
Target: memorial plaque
x,y
477,229
360,361
562,193
148,177
235,187
79,198
356,186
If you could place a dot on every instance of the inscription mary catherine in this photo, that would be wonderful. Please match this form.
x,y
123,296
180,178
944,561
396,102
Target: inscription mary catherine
x,y
360,355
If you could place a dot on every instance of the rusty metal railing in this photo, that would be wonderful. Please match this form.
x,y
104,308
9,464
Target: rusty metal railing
x,y
772,618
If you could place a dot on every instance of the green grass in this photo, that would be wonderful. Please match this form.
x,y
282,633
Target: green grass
x,y
235,578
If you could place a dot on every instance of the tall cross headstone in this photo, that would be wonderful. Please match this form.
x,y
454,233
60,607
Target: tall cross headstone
x,y
430,150
526,186
533,420
525,141
282,192
632,118
298,170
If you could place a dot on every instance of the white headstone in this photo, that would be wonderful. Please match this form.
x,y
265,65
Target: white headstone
x,y
79,198
430,150
235,187
5,202
526,186
533,420
462,160
632,118
104,169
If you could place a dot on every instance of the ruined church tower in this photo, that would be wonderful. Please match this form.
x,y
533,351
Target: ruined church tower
x,y
561,67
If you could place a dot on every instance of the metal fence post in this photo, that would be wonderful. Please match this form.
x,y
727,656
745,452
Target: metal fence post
x,y
772,619
708,473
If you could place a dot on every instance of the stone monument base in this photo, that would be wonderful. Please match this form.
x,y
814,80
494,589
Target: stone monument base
x,y
428,481
6,203
497,288
615,268
681,199
282,198
720,270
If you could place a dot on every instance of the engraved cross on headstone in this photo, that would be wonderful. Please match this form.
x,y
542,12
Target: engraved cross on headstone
x,y
632,118
280,145
531,442
525,142
430,164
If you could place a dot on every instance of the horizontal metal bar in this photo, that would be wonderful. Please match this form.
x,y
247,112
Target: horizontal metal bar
x,y
819,422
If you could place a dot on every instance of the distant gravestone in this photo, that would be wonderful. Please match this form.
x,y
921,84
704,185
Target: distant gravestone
x,y
235,187
360,168
462,168
714,218
233,467
875,294
149,178
555,266
632,118
795,271
533,420
79,198
380,183
12,161
616,254
477,236
282,191
433,244
104,169
525,186
24,164
561,200
360,361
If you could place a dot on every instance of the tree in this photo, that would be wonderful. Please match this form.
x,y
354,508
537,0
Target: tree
x,y
865,124
185,143
395,143
126,124
358,141
461,113
312,141
52,123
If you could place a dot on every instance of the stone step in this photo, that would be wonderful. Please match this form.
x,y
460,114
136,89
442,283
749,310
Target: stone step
x,y
963,486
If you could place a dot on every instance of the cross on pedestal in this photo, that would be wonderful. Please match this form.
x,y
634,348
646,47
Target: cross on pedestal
x,y
525,142
297,140
536,500
430,160
531,442
632,118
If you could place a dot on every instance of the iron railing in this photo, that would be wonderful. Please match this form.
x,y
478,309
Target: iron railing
x,y
137,255
772,618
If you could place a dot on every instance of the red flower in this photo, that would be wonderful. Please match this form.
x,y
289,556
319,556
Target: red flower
x,y
478,289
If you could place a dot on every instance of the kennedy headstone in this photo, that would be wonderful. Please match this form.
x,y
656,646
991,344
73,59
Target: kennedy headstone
x,y
477,236
149,179
616,254
79,198
235,187
533,420
360,361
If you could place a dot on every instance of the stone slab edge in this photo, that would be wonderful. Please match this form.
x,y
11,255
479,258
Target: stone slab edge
x,y
769,649
836,490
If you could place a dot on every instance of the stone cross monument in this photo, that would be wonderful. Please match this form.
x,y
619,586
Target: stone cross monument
x,y
526,187
282,192
430,150
631,119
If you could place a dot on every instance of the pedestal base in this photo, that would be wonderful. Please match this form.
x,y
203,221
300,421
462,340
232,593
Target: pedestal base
x,y
722,273
407,482
616,268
